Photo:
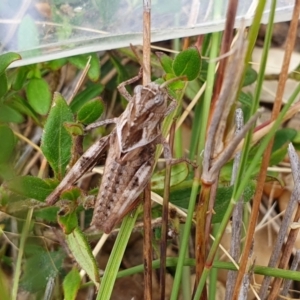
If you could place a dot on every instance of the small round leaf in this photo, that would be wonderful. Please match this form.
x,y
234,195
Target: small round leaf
x,y
187,63
90,111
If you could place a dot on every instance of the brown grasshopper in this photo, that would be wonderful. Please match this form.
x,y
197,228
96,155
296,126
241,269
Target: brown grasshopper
x,y
130,158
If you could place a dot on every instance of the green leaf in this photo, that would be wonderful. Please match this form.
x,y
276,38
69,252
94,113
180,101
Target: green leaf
x,y
8,143
166,62
71,284
9,114
94,70
67,219
40,266
86,95
56,141
90,111
30,187
38,95
179,173
6,59
3,85
187,63
250,77
82,253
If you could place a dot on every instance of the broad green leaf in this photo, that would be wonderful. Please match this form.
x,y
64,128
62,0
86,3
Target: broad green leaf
x,y
67,219
187,63
56,141
28,35
166,62
3,84
94,70
71,284
86,95
179,172
30,187
90,111
250,76
39,267
82,253
9,114
38,95
6,59
8,143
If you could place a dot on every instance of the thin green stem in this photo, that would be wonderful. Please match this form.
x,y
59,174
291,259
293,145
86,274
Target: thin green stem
x,y
186,273
213,278
115,258
185,240
24,235
173,261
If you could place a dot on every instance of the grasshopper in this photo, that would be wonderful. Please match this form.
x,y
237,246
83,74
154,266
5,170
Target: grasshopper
x,y
130,159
